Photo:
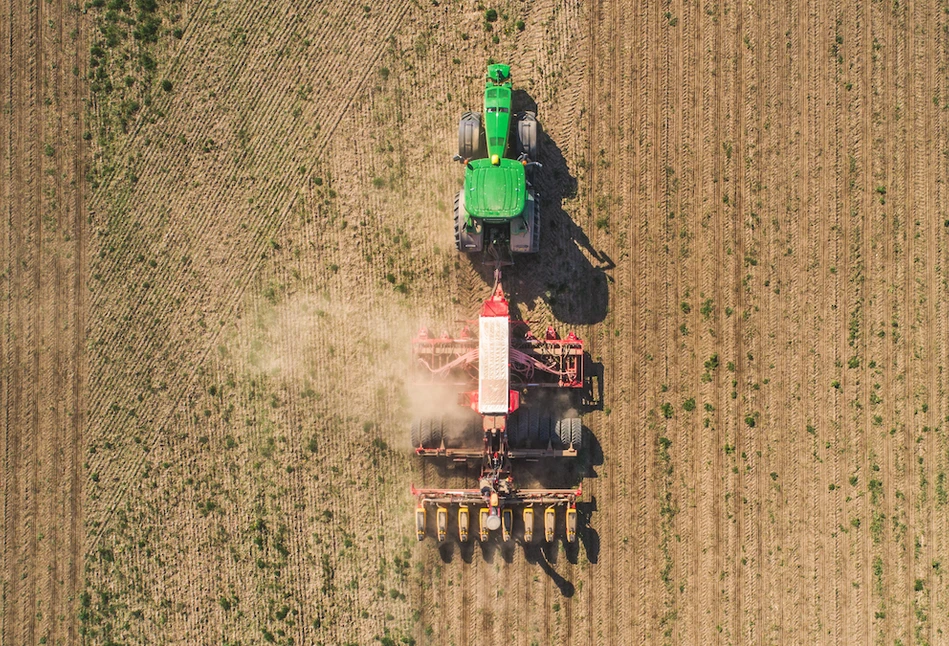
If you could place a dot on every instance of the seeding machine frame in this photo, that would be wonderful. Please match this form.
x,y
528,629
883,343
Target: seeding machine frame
x,y
508,363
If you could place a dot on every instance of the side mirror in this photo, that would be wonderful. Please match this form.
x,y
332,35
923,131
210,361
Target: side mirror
x,y
457,158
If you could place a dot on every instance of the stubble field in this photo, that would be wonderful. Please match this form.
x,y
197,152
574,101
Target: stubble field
x,y
224,223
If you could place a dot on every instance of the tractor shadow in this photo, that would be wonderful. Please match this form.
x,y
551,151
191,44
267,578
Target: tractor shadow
x,y
568,273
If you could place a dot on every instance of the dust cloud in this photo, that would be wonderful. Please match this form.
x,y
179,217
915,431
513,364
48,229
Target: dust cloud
x,y
348,359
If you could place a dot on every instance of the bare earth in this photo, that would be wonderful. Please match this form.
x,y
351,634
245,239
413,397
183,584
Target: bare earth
x,y
209,289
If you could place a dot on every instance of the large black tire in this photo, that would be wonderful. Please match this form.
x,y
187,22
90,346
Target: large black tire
x,y
563,434
547,424
425,432
438,431
534,429
512,436
576,432
528,135
416,433
470,136
523,427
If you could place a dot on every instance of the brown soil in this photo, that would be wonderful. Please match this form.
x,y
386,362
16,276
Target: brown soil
x,y
205,341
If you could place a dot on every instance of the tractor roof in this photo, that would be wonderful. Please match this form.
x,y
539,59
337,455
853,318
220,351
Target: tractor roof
x,y
497,108
495,191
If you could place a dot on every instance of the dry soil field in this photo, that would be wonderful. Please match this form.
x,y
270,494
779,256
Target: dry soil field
x,y
224,221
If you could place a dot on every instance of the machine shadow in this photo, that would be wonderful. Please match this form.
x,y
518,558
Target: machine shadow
x,y
568,273
545,556
572,278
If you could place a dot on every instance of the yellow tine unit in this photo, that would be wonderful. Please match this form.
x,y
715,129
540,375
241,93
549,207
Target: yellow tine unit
x,y
571,524
463,518
441,522
420,522
550,523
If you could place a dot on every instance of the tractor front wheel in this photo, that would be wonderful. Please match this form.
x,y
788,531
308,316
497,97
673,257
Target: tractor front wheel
x,y
470,136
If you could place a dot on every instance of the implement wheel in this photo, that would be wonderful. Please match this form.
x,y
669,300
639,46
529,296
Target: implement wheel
x,y
533,430
562,433
512,430
438,432
425,433
523,428
576,432
547,426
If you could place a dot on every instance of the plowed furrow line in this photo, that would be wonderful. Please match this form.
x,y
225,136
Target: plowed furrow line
x,y
671,108
781,415
708,174
626,474
903,240
591,78
939,297
706,467
18,149
650,616
884,307
832,195
686,142
852,610
601,33
38,426
931,321
862,626
729,176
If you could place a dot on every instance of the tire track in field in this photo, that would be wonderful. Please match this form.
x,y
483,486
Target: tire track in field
x,y
593,30
819,158
903,255
706,467
857,610
776,551
43,246
727,86
663,339
17,157
876,244
749,548
603,92
832,194
673,88
928,297
709,172
25,167
684,144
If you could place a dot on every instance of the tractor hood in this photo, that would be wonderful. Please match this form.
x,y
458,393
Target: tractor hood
x,y
495,192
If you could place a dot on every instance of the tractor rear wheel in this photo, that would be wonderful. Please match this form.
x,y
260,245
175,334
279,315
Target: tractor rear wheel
x,y
425,433
416,433
469,136
528,135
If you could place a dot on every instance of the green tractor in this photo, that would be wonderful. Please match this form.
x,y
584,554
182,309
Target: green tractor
x,y
498,210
